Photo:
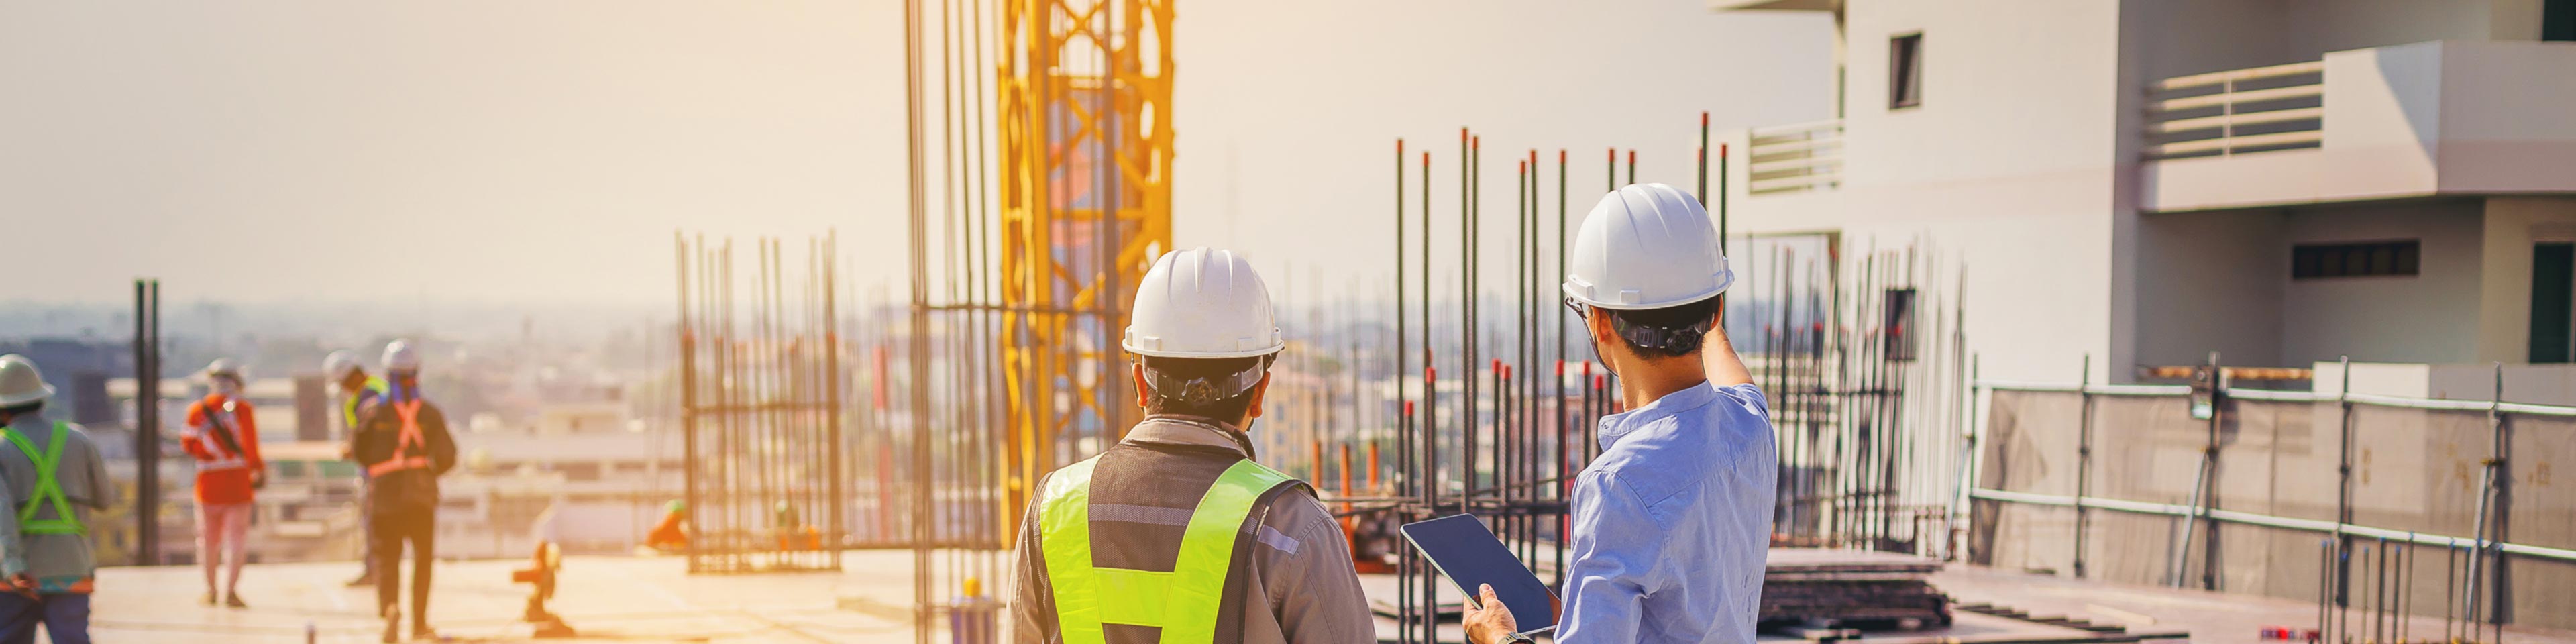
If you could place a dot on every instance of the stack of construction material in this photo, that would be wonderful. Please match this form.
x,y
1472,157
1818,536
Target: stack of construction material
x,y
1812,587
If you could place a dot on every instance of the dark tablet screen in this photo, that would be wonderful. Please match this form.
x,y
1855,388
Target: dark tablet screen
x,y
1461,547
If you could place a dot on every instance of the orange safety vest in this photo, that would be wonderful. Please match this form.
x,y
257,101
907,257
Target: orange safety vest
x,y
216,418
409,410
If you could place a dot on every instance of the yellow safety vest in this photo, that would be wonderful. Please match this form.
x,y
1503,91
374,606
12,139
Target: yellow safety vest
x,y
349,408
1184,602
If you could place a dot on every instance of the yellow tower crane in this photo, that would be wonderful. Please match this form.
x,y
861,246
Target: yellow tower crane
x,y
1084,94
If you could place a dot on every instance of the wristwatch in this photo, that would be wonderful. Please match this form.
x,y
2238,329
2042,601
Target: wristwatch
x,y
1516,638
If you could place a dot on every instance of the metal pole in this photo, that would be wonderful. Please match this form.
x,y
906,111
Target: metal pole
x,y
688,395
2083,462
1556,405
147,422
2343,483
2217,418
923,598
2501,486
1400,358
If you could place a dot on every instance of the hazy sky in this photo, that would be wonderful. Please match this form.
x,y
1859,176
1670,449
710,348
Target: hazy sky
x,y
545,151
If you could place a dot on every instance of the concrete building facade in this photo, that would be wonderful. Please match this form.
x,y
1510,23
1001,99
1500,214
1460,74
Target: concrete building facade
x,y
2147,181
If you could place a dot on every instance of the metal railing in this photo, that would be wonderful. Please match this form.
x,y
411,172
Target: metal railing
x,y
1795,158
2281,107
2482,545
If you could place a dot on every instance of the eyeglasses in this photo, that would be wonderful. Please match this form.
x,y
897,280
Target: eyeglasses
x,y
1580,309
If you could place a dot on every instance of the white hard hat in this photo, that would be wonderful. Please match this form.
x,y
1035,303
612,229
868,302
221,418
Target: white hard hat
x,y
338,365
224,367
1646,247
1202,303
19,382
399,356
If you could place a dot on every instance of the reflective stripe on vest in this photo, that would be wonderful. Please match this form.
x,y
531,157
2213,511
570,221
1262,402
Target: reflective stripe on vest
x,y
49,490
1183,603
204,435
409,410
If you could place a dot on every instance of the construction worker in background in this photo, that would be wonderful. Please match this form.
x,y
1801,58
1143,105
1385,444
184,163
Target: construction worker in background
x,y
672,533
223,436
357,389
1175,530
545,564
402,441
1671,521
56,478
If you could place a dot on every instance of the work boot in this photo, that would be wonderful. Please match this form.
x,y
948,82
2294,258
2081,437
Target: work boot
x,y
393,624
423,633
233,600
208,599
364,580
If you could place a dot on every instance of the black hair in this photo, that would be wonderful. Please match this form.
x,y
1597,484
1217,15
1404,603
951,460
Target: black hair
x,y
1668,332
1227,409
23,409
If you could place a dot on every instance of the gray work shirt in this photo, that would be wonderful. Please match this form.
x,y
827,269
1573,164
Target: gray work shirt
x,y
1301,568
59,562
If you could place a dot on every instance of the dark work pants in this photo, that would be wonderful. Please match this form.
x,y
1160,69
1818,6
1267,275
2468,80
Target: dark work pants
x,y
65,616
391,527
366,525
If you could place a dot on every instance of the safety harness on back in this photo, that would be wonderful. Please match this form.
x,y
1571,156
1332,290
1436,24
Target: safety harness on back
x,y
49,490
1183,603
404,455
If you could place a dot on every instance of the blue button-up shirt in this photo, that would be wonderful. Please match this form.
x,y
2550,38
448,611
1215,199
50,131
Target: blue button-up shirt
x,y
1672,520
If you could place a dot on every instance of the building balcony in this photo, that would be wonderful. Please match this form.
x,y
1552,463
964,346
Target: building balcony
x,y
2414,120
1806,157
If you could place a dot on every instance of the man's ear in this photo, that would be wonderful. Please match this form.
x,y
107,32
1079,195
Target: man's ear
x,y
1602,330
1259,391
1137,371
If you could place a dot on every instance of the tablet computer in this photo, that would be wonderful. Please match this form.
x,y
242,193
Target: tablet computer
x,y
1461,548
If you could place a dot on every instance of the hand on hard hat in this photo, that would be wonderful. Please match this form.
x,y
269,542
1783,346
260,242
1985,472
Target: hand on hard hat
x,y
1646,247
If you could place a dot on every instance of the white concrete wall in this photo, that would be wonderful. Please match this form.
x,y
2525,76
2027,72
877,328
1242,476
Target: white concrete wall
x,y
2543,384
2333,25
2513,224
2187,37
2508,117
2432,317
2212,281
2021,167
2374,378
2009,161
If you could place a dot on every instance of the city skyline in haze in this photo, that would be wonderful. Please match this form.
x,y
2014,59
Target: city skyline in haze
x,y
495,154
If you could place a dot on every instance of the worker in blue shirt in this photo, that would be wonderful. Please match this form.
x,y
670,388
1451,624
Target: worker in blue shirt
x,y
1671,521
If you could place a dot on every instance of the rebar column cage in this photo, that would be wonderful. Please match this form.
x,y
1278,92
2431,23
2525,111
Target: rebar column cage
x,y
1084,94
760,407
